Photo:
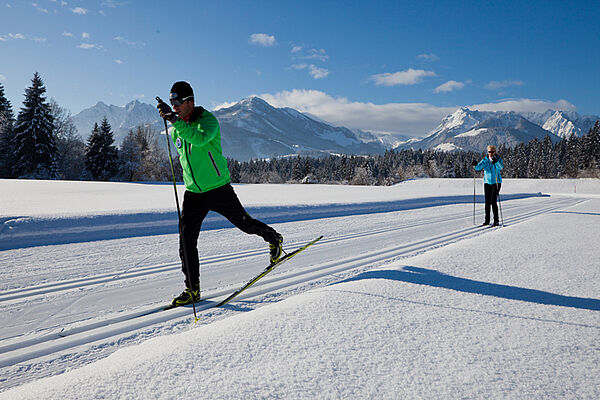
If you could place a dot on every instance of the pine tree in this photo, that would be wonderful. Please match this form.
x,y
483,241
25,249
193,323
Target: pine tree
x,y
35,148
7,121
101,156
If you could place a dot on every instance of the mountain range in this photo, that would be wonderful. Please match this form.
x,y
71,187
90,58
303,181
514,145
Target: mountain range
x,y
467,129
253,129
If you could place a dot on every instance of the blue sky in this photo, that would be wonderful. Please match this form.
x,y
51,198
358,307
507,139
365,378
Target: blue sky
x,y
389,66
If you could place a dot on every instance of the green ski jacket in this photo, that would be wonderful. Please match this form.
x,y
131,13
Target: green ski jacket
x,y
198,143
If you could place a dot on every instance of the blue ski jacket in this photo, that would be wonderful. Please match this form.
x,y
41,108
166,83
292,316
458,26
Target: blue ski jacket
x,y
491,171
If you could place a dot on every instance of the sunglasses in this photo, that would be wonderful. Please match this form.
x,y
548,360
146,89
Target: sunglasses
x,y
491,152
176,103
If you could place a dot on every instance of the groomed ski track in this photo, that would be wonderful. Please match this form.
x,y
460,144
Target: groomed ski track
x,y
97,329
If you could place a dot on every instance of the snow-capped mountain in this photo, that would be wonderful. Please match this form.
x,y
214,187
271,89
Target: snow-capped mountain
x,y
121,119
249,129
253,128
563,123
467,129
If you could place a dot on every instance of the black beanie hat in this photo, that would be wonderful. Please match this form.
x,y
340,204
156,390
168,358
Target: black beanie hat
x,y
181,90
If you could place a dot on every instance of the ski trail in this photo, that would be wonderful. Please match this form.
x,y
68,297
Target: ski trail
x,y
111,328
135,271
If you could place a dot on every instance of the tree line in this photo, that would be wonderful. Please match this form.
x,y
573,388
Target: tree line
x,y
574,157
43,143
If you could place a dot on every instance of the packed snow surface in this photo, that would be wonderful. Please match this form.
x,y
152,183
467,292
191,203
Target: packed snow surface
x,y
405,297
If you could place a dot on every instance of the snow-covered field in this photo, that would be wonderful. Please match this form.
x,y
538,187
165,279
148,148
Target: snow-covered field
x,y
403,298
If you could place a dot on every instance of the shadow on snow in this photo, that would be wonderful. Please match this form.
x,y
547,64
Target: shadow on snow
x,y
24,231
423,276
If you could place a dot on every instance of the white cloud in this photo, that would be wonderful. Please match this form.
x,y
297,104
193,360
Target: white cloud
x,y
39,8
79,10
413,119
128,42
85,35
19,36
262,39
525,105
87,46
2,78
495,85
68,34
428,57
119,62
111,4
39,39
408,77
313,70
449,87
296,49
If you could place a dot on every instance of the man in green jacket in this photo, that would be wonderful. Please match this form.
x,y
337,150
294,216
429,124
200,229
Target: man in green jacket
x,y
197,137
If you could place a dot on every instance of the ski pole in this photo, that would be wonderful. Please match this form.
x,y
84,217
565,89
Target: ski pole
x,y
499,202
185,257
473,196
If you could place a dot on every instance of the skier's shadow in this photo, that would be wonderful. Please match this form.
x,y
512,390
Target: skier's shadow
x,y
423,276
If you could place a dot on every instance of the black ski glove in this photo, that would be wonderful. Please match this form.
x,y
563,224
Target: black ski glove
x,y
494,159
165,111
474,163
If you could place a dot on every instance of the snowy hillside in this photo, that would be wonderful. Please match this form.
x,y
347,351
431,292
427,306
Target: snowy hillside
x,y
404,297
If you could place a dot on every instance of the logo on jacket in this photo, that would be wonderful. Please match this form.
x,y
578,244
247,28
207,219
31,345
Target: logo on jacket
x,y
178,143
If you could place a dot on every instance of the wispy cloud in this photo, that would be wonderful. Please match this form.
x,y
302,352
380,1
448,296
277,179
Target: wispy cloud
x,y
12,36
111,4
2,78
87,46
428,57
128,42
408,77
68,34
119,62
309,53
496,85
449,86
39,39
39,8
525,105
85,35
79,10
313,70
262,39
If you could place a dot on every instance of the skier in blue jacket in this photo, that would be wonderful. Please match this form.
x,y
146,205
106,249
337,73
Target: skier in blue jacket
x,y
492,181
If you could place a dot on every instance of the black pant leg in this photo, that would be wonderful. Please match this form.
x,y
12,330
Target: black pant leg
x,y
194,211
495,192
488,191
224,201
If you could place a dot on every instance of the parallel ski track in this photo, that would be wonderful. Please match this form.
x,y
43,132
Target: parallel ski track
x,y
96,280
27,348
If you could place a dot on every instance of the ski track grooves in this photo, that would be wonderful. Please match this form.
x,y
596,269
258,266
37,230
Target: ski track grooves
x,y
88,334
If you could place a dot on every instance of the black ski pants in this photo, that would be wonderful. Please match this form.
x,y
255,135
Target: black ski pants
x,y
196,206
491,198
